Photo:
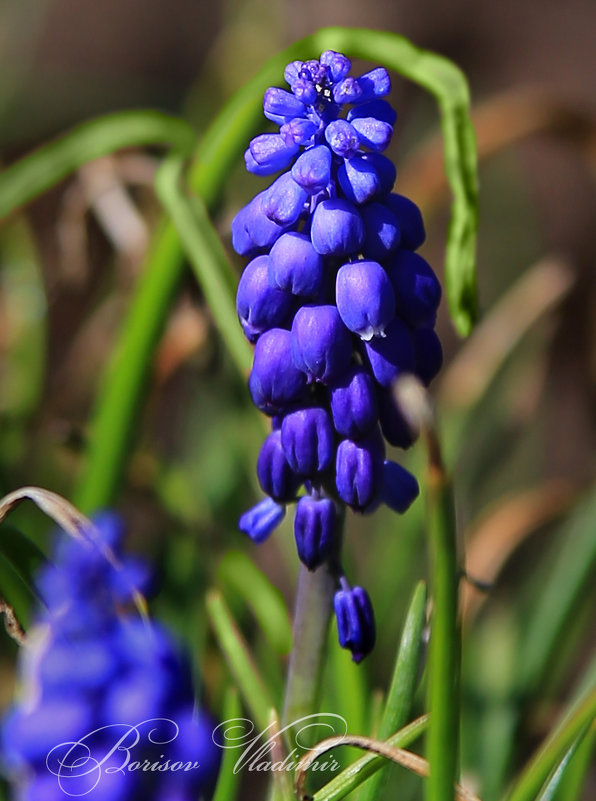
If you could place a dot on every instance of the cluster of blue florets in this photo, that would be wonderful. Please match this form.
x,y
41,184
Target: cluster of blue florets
x,y
107,705
338,305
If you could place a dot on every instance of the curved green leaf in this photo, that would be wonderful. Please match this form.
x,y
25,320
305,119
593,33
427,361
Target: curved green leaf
x,y
45,167
206,255
238,572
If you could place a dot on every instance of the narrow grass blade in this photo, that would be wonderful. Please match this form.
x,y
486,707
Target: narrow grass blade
x,y
575,776
45,167
238,572
239,660
228,780
443,688
557,602
207,257
405,678
553,750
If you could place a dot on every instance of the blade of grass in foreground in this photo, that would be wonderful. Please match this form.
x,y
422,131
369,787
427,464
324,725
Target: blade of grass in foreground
x,y
405,678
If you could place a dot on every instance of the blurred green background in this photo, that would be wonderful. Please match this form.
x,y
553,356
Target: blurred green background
x,y
516,401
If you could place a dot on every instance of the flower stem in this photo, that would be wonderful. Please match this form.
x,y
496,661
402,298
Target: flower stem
x,y
314,602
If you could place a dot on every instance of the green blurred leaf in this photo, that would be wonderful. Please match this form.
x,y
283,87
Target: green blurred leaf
x,y
239,659
20,558
552,752
239,573
405,678
228,780
556,603
207,257
49,164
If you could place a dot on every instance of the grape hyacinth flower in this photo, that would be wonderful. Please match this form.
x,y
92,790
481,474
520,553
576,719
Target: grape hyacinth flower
x,y
106,708
338,305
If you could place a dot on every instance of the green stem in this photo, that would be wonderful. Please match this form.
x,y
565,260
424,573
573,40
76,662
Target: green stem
x,y
314,603
444,650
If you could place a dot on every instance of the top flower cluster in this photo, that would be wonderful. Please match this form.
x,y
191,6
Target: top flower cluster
x,y
337,303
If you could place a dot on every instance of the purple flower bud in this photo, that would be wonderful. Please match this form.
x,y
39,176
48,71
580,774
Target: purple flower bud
x,y
295,266
382,231
364,298
400,488
395,429
337,64
410,220
353,403
364,177
281,105
283,202
259,522
373,133
428,354
253,167
274,382
312,169
314,529
342,138
359,470
347,91
271,152
391,355
379,109
259,305
305,90
374,84
417,289
273,471
292,72
298,131
321,344
252,230
337,228
355,621
313,70
307,440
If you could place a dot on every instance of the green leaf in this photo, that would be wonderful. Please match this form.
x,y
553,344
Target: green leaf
x,y
353,776
238,572
240,662
45,167
228,780
207,257
405,678
443,694
552,752
575,775
556,604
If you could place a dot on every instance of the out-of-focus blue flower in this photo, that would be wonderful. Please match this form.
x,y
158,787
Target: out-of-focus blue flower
x,y
341,245
103,692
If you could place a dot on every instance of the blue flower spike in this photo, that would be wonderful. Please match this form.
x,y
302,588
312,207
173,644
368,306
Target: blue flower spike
x,y
94,670
338,305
